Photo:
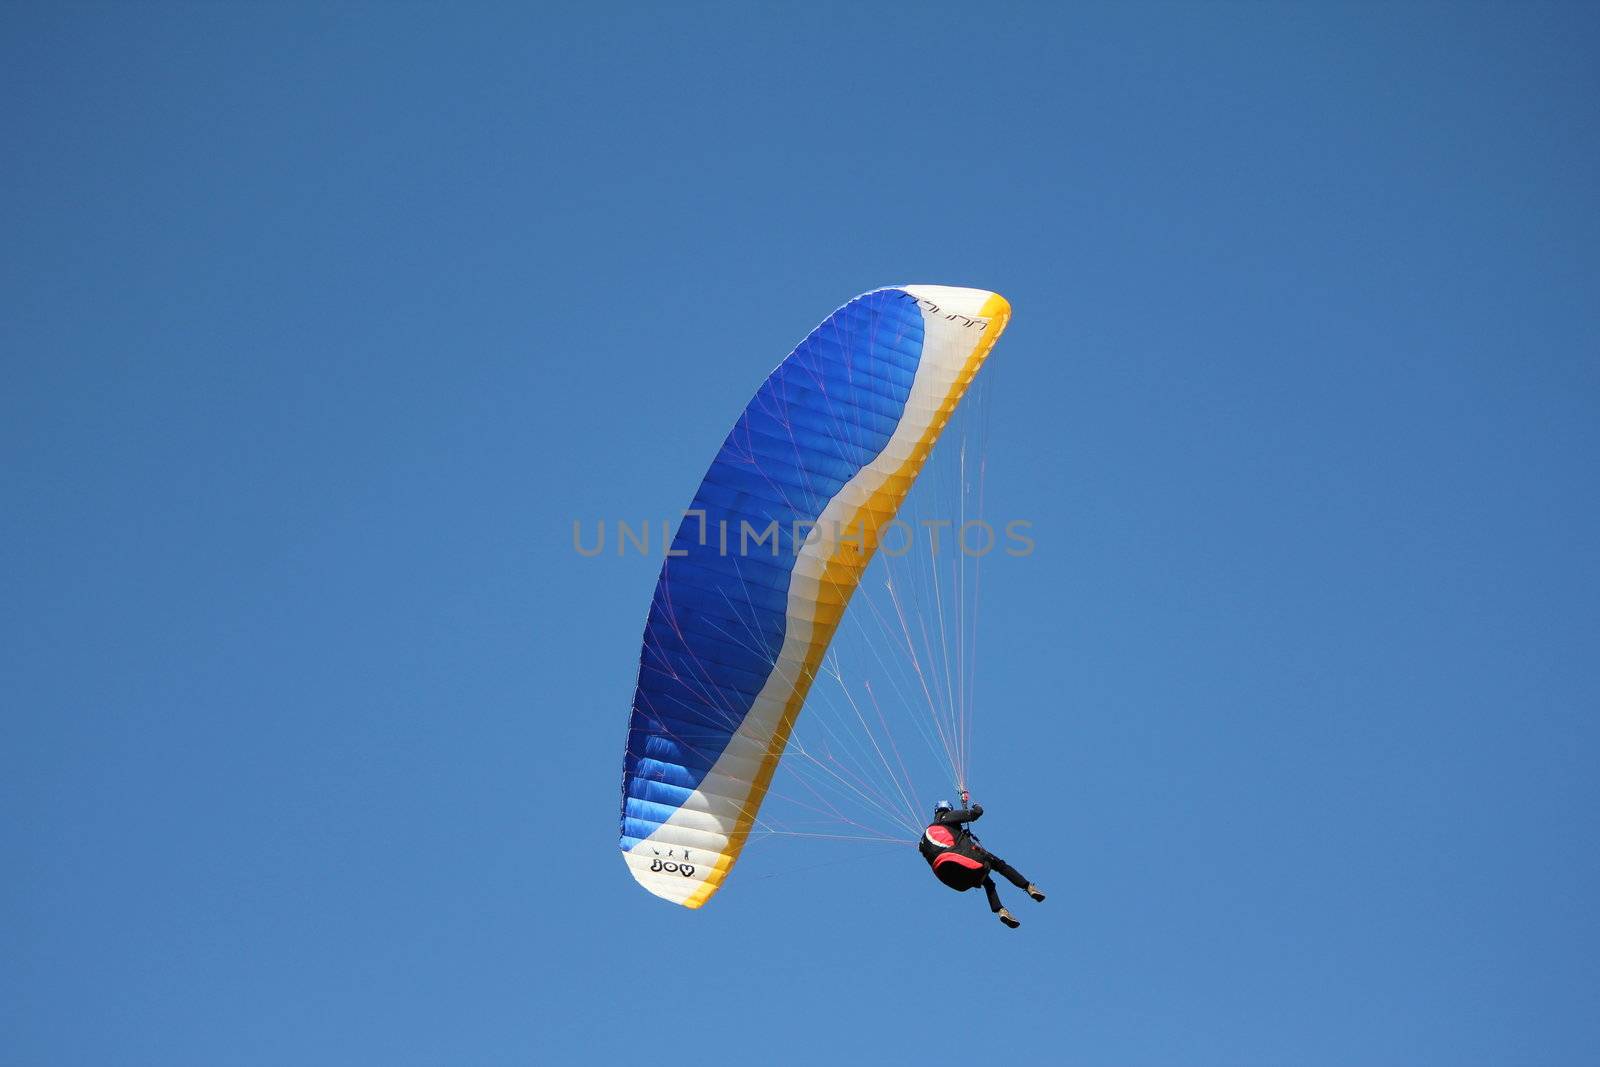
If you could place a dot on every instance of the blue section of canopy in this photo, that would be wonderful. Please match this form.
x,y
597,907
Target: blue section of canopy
x,y
718,617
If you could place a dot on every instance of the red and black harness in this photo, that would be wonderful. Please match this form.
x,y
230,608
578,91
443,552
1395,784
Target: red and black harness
x,y
957,860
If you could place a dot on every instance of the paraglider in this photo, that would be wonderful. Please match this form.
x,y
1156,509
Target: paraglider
x,y
815,467
960,862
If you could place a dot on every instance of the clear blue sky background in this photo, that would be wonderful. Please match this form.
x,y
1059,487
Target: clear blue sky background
x,y
320,327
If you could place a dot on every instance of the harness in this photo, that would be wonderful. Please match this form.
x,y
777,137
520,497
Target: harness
x,y
953,866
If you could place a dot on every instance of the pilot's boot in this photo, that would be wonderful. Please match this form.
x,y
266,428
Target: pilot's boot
x,y
1034,892
1007,918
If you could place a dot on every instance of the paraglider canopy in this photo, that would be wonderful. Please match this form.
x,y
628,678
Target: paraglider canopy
x,y
819,461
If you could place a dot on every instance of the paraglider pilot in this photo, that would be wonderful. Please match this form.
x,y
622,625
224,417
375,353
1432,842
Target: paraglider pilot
x,y
961,863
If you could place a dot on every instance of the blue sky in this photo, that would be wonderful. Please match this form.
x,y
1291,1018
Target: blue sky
x,y
322,325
